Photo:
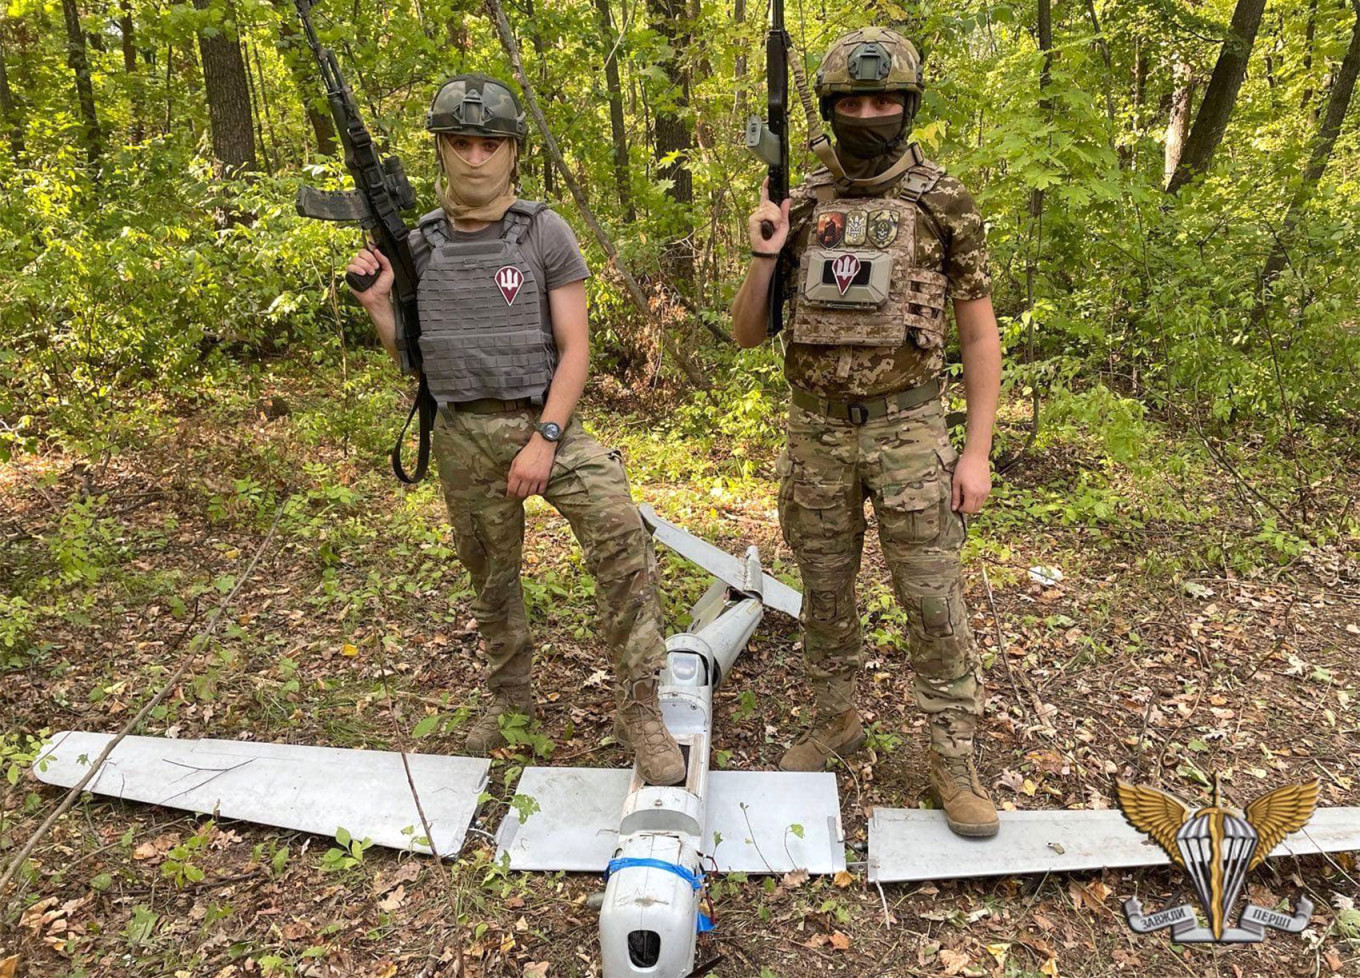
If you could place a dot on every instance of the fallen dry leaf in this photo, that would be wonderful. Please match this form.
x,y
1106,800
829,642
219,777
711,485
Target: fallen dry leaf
x,y
999,951
536,969
795,879
393,900
953,961
295,930
840,941
388,879
843,879
31,919
158,846
8,966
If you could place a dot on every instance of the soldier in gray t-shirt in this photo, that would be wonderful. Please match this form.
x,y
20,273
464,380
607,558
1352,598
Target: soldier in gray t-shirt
x,y
505,352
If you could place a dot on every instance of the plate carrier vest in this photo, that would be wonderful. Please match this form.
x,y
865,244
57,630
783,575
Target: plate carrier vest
x,y
482,329
858,281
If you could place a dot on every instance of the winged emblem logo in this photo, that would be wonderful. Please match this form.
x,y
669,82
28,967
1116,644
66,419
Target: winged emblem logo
x,y
1217,845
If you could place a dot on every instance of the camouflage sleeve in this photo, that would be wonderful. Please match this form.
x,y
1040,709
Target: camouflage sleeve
x,y
965,238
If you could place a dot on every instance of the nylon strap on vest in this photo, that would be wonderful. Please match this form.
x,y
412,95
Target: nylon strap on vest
x,y
920,180
514,226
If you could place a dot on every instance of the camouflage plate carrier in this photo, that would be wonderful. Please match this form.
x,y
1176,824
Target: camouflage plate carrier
x,y
859,283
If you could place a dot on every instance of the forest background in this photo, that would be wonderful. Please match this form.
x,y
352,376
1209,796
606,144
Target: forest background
x,y
1172,193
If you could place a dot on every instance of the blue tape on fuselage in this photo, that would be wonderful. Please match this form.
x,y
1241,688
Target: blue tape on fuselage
x,y
696,880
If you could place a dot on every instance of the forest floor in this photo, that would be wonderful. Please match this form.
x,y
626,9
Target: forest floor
x,y
1189,636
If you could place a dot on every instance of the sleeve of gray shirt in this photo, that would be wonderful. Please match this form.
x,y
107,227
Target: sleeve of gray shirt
x,y
562,260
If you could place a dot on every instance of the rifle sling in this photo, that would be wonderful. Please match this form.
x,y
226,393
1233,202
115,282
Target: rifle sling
x,y
426,407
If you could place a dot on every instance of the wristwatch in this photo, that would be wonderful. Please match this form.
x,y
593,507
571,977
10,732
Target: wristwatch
x,y
549,431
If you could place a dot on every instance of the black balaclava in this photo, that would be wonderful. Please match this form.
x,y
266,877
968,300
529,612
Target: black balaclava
x,y
868,147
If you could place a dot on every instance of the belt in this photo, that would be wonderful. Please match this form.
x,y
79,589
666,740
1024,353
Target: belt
x,y
492,405
859,412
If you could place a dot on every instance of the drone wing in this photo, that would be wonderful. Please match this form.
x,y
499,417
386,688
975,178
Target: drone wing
x,y
1277,813
1155,812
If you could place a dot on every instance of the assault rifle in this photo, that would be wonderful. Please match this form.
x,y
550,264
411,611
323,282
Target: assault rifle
x,y
769,140
381,192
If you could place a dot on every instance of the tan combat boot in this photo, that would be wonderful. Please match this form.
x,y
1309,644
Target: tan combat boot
x,y
838,736
967,807
620,731
485,735
659,760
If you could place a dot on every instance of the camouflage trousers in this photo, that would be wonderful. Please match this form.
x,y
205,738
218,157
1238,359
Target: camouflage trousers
x,y
904,464
587,486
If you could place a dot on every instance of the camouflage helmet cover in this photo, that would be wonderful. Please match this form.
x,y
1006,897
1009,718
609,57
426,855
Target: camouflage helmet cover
x,y
476,105
871,59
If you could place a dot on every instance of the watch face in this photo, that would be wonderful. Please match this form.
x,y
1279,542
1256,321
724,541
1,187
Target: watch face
x,y
550,431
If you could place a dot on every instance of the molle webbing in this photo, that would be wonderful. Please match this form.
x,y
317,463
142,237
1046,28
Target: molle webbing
x,y
483,331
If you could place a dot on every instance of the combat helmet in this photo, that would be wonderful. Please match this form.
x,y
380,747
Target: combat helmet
x,y
872,59
476,105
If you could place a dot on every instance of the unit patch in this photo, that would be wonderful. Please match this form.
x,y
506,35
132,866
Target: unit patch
x,y
882,228
844,268
830,228
509,280
856,226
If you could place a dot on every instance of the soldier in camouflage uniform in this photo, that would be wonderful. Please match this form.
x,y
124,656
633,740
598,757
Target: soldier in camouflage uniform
x,y
506,353
875,244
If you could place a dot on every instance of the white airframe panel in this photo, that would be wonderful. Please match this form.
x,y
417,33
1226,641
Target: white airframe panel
x,y
288,786
910,844
758,814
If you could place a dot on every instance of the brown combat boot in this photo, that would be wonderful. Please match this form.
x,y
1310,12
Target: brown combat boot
x,y
967,807
659,760
838,736
485,735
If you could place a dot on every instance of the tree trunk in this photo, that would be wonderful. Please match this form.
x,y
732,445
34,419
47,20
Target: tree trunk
x,y
126,28
507,38
1182,96
1338,104
8,109
1309,35
79,63
1221,95
1036,198
619,134
739,20
224,81
672,140
536,39
292,50
1104,49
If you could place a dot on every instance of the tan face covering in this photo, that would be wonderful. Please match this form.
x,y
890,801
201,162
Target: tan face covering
x,y
475,193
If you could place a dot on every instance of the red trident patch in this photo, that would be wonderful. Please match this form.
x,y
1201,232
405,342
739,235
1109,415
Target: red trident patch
x,y
845,268
509,280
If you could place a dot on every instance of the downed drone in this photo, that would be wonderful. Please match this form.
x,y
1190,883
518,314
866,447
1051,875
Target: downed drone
x,y
653,843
